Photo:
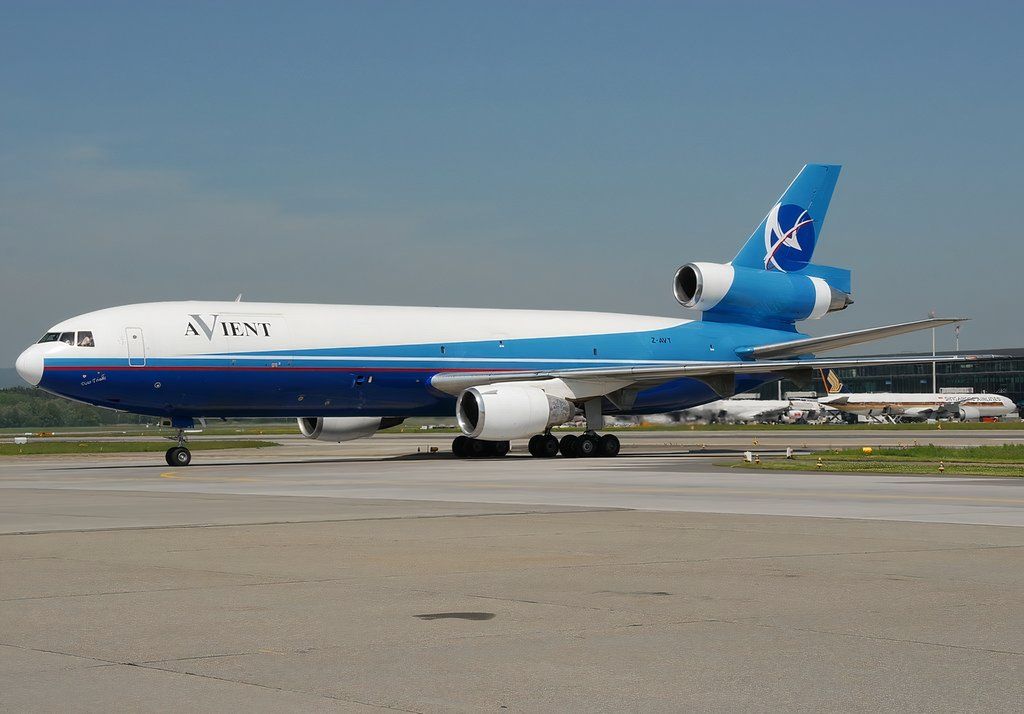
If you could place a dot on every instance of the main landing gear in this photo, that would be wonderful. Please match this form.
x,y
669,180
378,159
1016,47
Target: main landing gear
x,y
463,447
546,445
572,446
587,444
179,455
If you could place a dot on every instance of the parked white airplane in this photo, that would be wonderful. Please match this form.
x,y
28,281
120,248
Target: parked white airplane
x,y
914,406
346,371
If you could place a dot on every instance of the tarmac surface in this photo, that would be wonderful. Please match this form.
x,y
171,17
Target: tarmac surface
x,y
365,577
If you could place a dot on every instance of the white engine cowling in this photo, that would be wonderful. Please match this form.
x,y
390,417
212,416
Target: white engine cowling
x,y
500,412
701,286
968,413
344,428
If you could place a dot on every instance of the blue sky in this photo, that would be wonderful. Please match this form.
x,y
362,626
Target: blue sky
x,y
562,155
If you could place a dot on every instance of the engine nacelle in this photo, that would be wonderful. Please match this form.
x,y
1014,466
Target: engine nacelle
x,y
969,413
344,428
749,293
500,412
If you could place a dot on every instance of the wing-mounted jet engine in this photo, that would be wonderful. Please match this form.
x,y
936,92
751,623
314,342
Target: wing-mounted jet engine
x,y
345,428
500,412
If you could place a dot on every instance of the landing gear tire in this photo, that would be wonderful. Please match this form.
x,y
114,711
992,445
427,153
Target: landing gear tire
x,y
608,445
543,446
178,456
587,445
567,445
464,447
534,446
477,448
549,447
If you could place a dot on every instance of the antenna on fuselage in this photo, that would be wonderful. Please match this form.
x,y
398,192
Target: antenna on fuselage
x,y
239,298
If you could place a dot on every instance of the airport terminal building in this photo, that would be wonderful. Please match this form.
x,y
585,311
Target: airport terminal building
x,y
1001,376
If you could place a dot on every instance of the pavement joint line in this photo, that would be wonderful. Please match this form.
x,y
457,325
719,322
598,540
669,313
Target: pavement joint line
x,y
309,581
26,648
865,537
47,513
574,509
880,638
432,642
305,581
523,601
319,695
782,556
157,566
147,662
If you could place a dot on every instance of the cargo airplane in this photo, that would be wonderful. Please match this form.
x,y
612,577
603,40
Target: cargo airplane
x,y
345,372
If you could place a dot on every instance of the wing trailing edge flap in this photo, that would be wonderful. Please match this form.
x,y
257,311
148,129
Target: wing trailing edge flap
x,y
621,381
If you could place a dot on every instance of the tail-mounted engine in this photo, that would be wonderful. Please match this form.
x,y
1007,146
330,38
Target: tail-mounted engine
x,y
736,294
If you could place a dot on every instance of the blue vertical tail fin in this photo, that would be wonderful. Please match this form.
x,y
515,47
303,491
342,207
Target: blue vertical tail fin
x,y
787,236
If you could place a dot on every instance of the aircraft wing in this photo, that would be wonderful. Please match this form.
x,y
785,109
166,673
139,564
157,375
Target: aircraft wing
x,y
718,375
767,413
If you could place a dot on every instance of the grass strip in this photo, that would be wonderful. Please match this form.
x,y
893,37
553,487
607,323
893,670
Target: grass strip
x,y
993,460
883,467
1001,453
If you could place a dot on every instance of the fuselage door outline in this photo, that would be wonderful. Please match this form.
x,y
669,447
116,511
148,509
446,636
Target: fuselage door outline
x,y
136,346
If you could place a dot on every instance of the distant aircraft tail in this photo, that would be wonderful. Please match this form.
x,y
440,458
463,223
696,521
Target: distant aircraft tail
x,y
786,238
832,383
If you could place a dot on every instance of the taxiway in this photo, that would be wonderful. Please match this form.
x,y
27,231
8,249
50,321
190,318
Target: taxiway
x,y
319,577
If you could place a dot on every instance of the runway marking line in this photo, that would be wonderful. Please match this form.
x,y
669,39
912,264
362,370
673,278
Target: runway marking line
x,y
172,475
681,490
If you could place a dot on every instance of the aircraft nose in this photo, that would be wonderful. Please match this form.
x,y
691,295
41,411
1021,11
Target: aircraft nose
x,y
30,365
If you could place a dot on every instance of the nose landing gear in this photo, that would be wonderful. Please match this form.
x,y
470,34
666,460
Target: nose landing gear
x,y
179,455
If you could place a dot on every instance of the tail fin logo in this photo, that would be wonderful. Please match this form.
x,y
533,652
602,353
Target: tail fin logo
x,y
832,383
788,238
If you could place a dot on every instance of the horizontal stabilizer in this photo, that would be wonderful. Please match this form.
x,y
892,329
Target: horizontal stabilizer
x,y
812,345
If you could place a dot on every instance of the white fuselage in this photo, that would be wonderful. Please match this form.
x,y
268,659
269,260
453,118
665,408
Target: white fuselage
x,y
920,406
213,359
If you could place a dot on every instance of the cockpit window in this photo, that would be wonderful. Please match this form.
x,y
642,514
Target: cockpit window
x,y
68,338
